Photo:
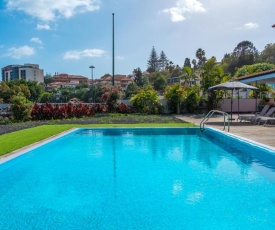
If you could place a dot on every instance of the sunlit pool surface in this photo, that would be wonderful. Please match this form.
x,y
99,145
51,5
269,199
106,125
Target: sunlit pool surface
x,y
172,178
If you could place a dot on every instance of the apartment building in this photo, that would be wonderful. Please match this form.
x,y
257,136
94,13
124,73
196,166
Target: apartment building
x,y
25,72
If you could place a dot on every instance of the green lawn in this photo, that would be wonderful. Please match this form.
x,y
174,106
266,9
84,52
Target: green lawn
x,y
16,140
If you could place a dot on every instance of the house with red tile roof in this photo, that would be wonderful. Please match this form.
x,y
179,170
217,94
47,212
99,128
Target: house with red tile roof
x,y
120,81
66,80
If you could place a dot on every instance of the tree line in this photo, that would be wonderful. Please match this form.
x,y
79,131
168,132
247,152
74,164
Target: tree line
x,y
188,93
245,53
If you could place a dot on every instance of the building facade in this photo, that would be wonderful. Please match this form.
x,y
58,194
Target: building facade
x,y
66,80
23,72
121,81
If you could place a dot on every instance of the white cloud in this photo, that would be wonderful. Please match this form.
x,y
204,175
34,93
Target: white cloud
x,y
43,27
36,40
17,53
49,10
184,7
251,25
76,54
119,58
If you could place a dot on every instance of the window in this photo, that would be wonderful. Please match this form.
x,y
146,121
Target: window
x,y
23,74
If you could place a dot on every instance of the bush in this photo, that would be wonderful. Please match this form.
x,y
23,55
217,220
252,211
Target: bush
x,y
191,102
175,95
122,108
47,97
111,97
20,108
255,68
147,101
47,111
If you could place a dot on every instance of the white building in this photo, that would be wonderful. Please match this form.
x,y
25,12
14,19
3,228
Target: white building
x,y
25,72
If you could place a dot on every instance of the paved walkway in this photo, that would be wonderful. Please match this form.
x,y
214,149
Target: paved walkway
x,y
258,133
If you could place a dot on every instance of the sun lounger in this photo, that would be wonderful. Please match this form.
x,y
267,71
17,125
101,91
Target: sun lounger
x,y
259,119
265,120
252,116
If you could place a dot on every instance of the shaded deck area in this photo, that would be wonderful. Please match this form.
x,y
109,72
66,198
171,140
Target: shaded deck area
x,y
259,133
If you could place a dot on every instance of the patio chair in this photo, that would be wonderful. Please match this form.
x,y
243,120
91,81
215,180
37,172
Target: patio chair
x,y
252,116
261,119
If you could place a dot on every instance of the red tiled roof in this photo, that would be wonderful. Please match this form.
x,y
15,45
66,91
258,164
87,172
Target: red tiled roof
x,y
63,75
76,76
257,74
60,76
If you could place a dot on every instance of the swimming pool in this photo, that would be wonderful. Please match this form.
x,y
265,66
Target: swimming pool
x,y
162,178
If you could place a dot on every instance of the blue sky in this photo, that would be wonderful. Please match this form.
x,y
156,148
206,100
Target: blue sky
x,y
70,35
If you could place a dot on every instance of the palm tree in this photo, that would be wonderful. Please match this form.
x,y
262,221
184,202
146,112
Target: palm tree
x,y
212,75
187,75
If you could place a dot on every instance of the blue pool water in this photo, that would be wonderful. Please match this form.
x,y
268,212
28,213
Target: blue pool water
x,y
140,179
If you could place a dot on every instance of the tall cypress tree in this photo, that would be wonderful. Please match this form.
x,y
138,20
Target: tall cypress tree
x,y
187,62
152,63
163,61
138,76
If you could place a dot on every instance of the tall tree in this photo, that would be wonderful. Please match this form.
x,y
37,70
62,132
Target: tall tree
x,y
244,53
48,79
200,54
187,62
153,62
212,75
138,76
170,67
177,71
163,60
174,94
268,54
131,90
158,81
36,90
194,63
187,75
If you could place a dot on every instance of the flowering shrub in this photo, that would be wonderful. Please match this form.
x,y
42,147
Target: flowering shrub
x,y
111,97
122,108
48,111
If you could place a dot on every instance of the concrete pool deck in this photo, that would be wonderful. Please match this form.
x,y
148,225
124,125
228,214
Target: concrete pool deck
x,y
259,133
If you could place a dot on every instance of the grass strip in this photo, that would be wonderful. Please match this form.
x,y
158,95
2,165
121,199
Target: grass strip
x,y
19,139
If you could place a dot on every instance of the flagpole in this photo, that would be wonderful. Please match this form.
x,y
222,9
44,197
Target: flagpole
x,y
113,76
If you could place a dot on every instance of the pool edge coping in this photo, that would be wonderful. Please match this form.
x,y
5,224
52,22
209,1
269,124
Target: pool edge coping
x,y
246,140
